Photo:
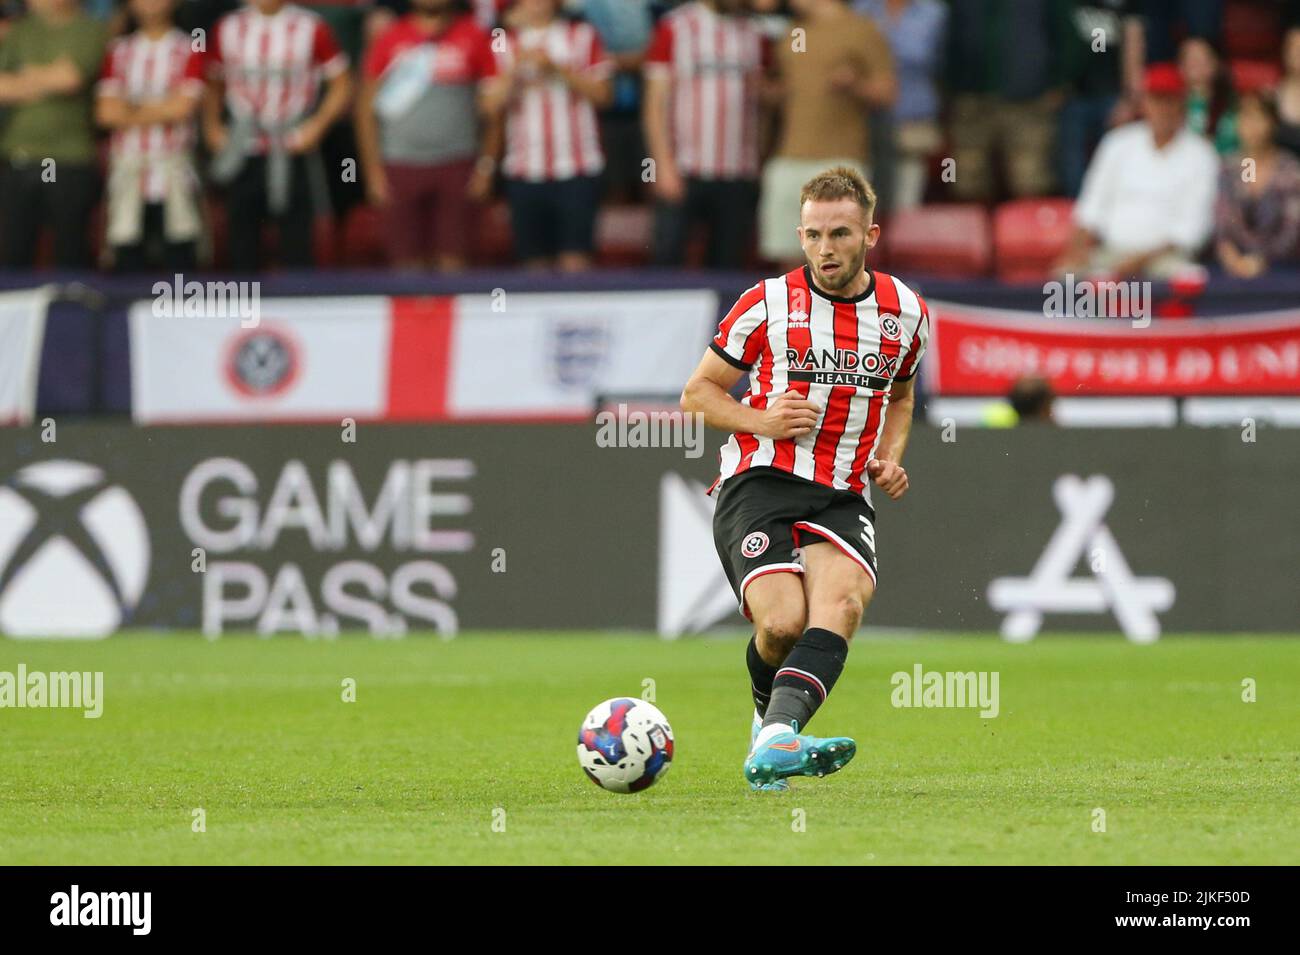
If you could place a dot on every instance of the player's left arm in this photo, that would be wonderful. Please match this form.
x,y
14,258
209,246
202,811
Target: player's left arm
x,y
886,468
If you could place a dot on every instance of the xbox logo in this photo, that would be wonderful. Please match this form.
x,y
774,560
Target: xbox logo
x,y
74,552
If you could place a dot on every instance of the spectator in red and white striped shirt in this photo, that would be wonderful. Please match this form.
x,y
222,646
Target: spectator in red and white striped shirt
x,y
703,71
269,62
148,95
554,74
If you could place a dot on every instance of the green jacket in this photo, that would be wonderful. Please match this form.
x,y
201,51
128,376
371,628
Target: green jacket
x,y
55,127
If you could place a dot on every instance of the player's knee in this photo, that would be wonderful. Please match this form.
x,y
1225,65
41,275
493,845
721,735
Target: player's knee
x,y
777,636
849,607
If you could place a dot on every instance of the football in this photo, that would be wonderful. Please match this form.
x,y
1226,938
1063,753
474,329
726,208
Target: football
x,y
625,745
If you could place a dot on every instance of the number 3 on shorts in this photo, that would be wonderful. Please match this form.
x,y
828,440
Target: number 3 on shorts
x,y
868,533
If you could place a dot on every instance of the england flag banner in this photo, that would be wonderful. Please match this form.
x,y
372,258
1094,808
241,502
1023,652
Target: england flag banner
x,y
199,356
278,359
22,331
552,355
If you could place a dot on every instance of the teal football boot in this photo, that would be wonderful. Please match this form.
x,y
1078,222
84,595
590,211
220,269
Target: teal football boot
x,y
776,786
792,754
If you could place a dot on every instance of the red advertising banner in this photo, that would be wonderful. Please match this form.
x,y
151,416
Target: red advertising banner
x,y
983,351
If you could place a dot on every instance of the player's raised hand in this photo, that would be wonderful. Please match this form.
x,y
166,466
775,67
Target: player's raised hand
x,y
888,476
790,415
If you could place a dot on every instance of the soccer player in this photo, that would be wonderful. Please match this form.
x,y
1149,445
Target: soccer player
x,y
831,350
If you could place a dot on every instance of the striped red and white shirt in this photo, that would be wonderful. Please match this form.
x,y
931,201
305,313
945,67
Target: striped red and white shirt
x,y
143,70
273,65
551,131
842,354
715,61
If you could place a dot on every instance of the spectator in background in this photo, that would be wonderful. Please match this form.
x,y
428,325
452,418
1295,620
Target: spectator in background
x,y
1257,216
346,19
1167,20
915,30
830,76
202,15
148,96
1103,76
48,65
384,13
1005,77
11,11
1211,109
1288,93
265,143
554,76
1030,401
418,135
703,72
1031,398
1147,205
624,27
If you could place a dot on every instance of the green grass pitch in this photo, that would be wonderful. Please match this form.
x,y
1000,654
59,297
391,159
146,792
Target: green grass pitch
x,y
444,734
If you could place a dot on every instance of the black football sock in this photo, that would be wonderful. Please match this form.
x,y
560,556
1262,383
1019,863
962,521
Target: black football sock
x,y
806,677
761,674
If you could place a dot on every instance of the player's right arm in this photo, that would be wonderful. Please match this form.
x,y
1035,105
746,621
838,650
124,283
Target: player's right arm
x,y
708,392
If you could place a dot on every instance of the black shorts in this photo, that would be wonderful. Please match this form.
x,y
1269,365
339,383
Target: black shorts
x,y
554,216
764,514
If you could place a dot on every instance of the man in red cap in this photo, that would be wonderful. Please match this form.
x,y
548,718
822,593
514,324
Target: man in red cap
x,y
1147,204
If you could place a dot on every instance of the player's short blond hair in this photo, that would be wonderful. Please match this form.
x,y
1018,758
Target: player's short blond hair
x,y
840,182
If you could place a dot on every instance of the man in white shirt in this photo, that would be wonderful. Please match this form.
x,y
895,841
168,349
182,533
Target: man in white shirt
x,y
1147,204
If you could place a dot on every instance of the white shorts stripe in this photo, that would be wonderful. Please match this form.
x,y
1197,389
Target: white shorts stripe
x,y
759,572
839,542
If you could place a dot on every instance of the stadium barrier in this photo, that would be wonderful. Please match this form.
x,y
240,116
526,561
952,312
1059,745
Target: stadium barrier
x,y
86,358
393,528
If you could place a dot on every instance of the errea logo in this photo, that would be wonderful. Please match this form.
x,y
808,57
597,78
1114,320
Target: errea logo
x,y
798,312
65,530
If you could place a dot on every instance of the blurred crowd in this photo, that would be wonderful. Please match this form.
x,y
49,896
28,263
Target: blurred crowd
x,y
182,134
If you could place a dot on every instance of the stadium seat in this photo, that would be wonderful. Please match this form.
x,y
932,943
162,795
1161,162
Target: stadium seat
x,y
362,238
325,241
1249,75
1252,30
624,234
1029,235
941,240
98,226
214,211
494,241
878,257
